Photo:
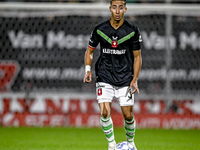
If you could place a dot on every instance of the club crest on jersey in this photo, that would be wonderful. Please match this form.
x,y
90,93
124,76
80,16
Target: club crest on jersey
x,y
114,42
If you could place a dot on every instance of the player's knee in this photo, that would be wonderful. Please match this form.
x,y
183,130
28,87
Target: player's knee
x,y
105,113
128,117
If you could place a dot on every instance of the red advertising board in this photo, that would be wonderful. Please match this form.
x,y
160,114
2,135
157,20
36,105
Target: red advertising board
x,y
62,111
93,120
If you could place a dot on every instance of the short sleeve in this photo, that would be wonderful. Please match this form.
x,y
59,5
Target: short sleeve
x,y
94,39
136,40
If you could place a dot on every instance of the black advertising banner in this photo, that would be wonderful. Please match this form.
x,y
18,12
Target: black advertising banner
x,y
47,53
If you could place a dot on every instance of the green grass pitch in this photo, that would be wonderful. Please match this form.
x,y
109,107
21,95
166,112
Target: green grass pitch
x,y
66,138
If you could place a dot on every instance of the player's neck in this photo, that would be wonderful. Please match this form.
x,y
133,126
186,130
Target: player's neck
x,y
116,24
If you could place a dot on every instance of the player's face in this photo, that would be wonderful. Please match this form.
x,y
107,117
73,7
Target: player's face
x,y
117,10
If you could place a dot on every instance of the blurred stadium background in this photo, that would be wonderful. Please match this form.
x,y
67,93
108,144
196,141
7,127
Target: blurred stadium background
x,y
42,45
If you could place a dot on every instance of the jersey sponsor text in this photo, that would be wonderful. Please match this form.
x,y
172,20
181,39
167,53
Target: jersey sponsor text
x,y
113,51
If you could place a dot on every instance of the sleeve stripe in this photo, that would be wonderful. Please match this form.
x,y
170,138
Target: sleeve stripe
x,y
91,47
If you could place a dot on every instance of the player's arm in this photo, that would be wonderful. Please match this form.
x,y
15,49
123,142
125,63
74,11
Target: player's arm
x,y
136,67
88,61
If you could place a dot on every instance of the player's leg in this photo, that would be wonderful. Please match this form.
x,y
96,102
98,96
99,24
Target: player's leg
x,y
104,97
106,122
129,122
126,102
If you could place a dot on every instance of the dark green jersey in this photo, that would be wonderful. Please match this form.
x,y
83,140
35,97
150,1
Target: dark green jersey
x,y
115,63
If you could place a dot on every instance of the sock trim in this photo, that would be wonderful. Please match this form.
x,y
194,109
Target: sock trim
x,y
130,122
111,141
107,127
105,119
129,130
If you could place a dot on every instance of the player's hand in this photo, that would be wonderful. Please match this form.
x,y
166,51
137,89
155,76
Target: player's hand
x,y
134,86
88,77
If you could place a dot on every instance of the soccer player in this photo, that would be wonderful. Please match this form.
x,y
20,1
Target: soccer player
x,y
117,68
